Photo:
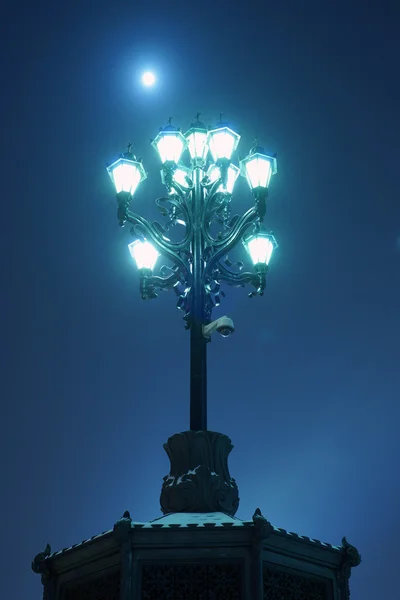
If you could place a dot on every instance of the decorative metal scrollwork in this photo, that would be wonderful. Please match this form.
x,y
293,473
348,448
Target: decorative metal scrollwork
x,y
177,209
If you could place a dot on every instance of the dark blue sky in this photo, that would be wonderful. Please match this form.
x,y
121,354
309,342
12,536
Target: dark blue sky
x,y
94,380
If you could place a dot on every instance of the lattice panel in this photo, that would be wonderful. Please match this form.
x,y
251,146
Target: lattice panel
x,y
192,581
106,587
284,585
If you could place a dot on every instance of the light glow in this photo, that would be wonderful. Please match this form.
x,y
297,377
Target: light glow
x,y
144,254
126,174
258,169
197,143
260,248
180,175
170,145
222,143
148,79
214,173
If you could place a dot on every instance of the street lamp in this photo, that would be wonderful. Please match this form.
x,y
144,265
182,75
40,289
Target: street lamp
x,y
182,176
258,168
170,143
197,138
199,196
126,173
260,247
222,142
214,173
144,254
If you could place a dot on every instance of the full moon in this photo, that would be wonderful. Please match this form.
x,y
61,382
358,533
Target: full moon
x,y
148,79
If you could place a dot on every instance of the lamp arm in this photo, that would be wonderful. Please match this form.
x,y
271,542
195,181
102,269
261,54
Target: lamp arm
x,y
165,283
124,215
180,198
256,279
180,206
223,246
149,283
221,273
154,232
210,206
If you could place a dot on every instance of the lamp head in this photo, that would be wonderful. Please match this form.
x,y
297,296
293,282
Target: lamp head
x,y
196,138
222,142
169,143
144,254
126,173
260,247
258,168
232,173
180,174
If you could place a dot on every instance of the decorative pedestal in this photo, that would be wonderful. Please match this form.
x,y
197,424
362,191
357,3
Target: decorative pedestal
x,y
211,556
199,479
199,549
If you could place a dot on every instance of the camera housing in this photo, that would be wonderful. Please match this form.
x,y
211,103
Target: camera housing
x,y
224,326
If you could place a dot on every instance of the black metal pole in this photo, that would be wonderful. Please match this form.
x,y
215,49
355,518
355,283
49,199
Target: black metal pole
x,y
198,348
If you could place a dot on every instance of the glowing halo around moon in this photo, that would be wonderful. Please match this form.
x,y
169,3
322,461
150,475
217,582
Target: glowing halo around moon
x,y
148,79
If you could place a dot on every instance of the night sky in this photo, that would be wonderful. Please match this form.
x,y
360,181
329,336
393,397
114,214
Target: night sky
x,y
94,380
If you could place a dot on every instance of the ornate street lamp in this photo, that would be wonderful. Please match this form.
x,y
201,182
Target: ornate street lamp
x,y
260,247
126,173
222,142
214,173
182,175
170,143
258,168
199,196
197,142
144,254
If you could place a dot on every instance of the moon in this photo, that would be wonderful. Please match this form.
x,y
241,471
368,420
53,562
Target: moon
x,y
148,79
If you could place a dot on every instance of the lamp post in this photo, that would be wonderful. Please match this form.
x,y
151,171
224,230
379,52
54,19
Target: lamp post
x,y
199,196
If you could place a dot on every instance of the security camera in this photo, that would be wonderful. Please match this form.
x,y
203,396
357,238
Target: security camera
x,y
224,326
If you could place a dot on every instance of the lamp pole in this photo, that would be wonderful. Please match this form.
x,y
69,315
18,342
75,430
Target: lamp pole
x,y
198,343
199,198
